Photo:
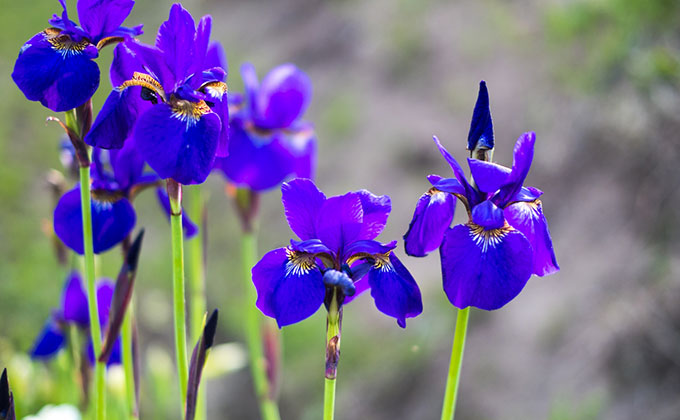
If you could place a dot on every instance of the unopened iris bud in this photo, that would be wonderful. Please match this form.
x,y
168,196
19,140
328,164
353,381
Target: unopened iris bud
x,y
480,136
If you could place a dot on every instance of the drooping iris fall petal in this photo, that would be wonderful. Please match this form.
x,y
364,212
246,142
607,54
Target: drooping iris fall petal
x,y
111,222
289,286
484,268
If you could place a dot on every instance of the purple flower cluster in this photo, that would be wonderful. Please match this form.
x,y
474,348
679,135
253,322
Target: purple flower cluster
x,y
268,142
73,311
337,253
55,66
487,261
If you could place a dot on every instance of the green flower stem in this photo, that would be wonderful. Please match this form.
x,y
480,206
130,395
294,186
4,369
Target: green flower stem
x,y
95,329
333,325
128,365
253,331
175,195
195,258
449,407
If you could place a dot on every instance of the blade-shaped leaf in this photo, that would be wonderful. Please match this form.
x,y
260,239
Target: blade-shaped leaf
x,y
122,295
198,358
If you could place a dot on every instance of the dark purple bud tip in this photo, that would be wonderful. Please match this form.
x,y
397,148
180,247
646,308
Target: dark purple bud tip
x,y
198,358
481,126
132,257
210,329
6,399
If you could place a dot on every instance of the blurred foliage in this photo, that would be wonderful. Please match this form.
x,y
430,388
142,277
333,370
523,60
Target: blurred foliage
x,y
604,41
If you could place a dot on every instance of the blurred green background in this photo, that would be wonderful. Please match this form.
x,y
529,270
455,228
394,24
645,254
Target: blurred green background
x,y
599,82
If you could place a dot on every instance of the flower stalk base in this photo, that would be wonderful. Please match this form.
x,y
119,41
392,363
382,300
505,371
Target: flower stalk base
x,y
175,195
451,394
333,334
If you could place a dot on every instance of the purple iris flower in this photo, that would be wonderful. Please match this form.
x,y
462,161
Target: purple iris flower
x,y
337,253
487,261
117,177
268,142
56,66
74,311
170,98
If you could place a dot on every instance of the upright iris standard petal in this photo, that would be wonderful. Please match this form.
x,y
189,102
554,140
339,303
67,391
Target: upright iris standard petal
x,y
302,202
179,142
481,126
282,97
528,218
289,286
74,301
340,221
111,222
394,290
488,176
484,268
56,70
522,157
432,217
470,193
176,38
376,210
49,342
100,18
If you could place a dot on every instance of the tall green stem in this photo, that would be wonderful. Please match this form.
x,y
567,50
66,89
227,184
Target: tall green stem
x,y
333,325
253,331
95,328
128,365
451,394
175,195
195,258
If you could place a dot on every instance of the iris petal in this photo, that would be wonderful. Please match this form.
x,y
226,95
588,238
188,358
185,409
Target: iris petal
x,y
470,192
178,146
523,156
101,18
432,216
74,301
488,215
488,176
529,219
49,342
376,210
127,164
61,76
215,57
115,121
111,222
289,287
282,97
302,202
394,290
176,39
340,221
262,160
367,248
484,269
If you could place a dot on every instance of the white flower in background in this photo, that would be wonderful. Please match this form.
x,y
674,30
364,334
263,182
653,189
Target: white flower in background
x,y
57,412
